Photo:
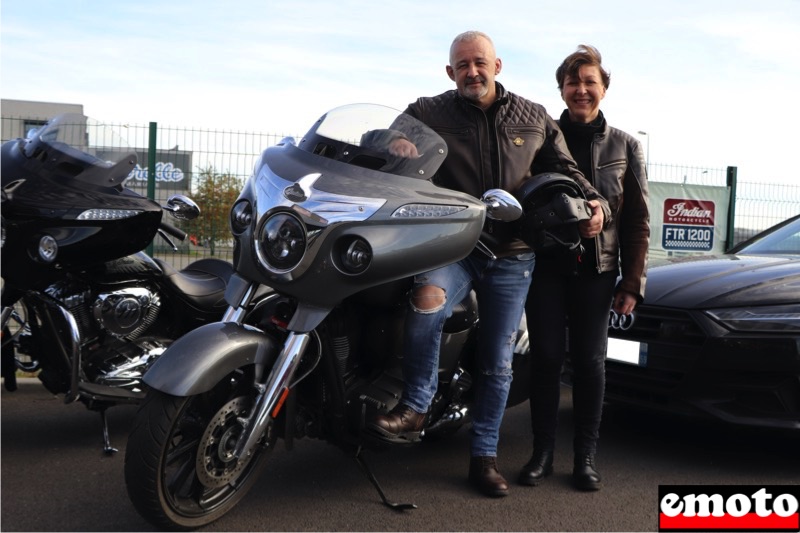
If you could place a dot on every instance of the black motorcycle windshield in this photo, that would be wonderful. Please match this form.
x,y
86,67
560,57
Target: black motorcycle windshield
x,y
73,146
378,138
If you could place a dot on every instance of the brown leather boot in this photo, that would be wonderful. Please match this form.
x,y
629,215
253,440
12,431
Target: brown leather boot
x,y
401,423
484,475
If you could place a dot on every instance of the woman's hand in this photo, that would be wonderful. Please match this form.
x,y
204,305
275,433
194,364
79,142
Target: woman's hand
x,y
624,303
592,227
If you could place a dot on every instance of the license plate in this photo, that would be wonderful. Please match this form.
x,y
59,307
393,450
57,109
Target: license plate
x,y
630,352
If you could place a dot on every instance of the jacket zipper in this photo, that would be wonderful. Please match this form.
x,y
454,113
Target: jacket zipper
x,y
610,163
492,133
594,184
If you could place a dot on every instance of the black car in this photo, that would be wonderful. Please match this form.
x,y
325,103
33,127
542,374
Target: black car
x,y
717,336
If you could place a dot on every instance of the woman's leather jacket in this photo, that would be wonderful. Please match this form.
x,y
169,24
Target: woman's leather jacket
x,y
619,173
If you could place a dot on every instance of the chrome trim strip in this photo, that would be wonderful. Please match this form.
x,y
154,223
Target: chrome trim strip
x,y
329,207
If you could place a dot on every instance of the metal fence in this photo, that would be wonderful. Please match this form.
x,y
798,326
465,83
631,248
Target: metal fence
x,y
756,206
180,159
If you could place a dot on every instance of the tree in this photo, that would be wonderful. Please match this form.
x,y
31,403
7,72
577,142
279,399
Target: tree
x,y
215,194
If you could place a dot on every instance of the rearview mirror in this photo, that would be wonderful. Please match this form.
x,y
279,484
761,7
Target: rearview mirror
x,y
182,207
501,205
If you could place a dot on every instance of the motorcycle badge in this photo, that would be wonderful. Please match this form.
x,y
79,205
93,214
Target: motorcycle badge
x,y
300,191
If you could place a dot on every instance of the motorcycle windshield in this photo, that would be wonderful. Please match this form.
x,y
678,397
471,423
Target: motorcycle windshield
x,y
73,146
379,138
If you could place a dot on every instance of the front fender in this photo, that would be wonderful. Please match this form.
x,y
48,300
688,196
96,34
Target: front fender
x,y
196,362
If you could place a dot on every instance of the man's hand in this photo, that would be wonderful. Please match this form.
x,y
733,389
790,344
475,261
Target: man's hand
x,y
403,148
593,226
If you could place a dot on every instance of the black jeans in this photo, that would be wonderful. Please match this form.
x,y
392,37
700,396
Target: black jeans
x,y
561,296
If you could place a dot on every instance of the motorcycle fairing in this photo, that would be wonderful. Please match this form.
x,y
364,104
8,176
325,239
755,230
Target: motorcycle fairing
x,y
348,203
41,199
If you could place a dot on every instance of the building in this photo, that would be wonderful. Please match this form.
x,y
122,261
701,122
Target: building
x,y
20,116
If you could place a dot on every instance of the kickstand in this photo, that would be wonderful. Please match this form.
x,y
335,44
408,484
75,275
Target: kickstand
x,y
367,472
107,448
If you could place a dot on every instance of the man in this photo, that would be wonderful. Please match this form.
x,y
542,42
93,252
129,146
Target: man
x,y
495,139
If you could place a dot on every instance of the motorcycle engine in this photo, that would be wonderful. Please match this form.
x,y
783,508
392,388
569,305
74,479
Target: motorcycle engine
x,y
124,362
126,312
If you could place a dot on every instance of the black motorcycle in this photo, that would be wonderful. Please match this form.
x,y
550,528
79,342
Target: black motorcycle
x,y
337,226
82,305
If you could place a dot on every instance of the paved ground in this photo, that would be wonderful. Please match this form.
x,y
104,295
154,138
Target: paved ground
x,y
55,478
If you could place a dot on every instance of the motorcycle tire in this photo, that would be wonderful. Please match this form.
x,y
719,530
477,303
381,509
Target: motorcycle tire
x,y
179,471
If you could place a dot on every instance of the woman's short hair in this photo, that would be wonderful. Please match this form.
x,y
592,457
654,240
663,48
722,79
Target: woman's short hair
x,y
584,55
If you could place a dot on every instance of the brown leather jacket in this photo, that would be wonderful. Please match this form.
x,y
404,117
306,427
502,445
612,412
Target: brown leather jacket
x,y
619,173
500,148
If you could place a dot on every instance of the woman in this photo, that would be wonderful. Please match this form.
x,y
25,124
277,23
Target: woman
x,y
575,293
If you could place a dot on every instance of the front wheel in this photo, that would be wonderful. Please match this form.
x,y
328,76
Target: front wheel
x,y
179,469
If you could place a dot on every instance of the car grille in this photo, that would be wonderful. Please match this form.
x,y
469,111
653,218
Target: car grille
x,y
675,342
673,327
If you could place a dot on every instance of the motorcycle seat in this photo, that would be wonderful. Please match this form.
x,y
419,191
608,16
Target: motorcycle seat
x,y
202,283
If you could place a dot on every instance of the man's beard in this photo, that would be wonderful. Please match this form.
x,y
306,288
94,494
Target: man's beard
x,y
476,92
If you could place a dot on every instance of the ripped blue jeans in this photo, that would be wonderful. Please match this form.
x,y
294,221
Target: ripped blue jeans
x,y
501,286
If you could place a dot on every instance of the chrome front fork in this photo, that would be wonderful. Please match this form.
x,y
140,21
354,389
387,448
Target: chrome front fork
x,y
272,393
68,339
6,316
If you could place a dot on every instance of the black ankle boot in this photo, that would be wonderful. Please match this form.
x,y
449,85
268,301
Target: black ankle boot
x,y
539,467
584,475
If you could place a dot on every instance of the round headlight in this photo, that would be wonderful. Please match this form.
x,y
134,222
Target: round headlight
x,y
282,242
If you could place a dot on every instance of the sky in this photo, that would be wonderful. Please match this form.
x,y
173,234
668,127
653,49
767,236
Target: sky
x,y
712,83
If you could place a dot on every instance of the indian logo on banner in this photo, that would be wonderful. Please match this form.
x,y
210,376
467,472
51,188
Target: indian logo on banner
x,y
688,225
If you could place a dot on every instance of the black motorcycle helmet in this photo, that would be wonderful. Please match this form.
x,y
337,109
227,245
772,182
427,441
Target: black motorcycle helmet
x,y
553,205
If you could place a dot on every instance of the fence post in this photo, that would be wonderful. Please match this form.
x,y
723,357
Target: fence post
x,y
151,171
731,182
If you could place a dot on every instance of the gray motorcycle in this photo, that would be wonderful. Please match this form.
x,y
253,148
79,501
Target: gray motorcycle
x,y
332,227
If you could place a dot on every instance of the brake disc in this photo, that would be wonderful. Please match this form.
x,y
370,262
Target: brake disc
x,y
216,465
